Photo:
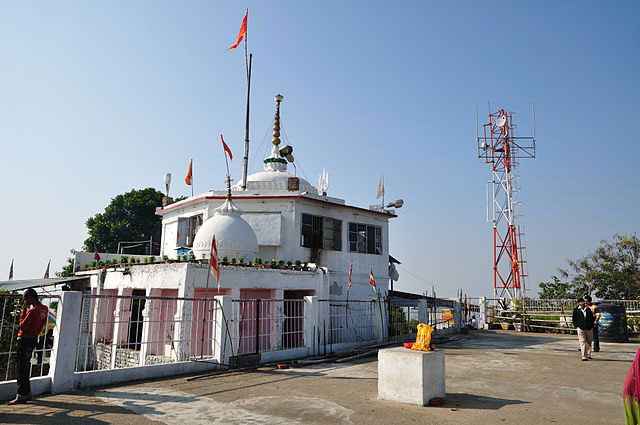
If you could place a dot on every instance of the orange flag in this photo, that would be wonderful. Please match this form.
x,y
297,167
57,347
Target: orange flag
x,y
187,178
243,31
226,148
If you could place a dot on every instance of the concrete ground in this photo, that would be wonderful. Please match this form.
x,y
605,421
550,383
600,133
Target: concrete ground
x,y
493,377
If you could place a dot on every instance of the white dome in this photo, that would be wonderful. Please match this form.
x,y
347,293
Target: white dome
x,y
234,237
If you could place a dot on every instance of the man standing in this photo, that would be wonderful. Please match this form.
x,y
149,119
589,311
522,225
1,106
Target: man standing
x,y
583,320
596,315
32,319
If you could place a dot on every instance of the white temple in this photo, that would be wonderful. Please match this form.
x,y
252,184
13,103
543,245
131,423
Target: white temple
x,y
279,218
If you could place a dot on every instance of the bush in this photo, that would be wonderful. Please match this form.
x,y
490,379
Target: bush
x,y
241,261
289,263
273,262
234,260
152,259
165,258
124,259
258,260
298,263
225,259
281,263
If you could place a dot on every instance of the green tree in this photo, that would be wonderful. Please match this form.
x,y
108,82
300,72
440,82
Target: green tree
x,y
67,270
612,271
556,289
128,217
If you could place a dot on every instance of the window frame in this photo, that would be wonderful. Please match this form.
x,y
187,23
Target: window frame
x,y
364,238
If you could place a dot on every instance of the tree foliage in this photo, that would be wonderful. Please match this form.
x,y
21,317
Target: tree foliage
x,y
612,271
128,217
67,270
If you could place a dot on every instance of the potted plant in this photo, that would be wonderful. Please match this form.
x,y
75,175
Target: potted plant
x,y
241,261
224,261
234,261
289,264
124,260
274,263
257,262
165,258
152,259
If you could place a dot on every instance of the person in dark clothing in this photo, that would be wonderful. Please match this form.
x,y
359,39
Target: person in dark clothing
x,y
596,315
32,319
583,320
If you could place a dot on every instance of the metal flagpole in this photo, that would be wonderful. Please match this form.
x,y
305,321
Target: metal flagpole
x,y
247,62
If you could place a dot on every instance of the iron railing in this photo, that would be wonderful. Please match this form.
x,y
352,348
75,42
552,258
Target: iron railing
x,y
128,331
10,309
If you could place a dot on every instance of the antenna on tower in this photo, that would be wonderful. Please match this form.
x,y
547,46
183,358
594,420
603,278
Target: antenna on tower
x,y
501,148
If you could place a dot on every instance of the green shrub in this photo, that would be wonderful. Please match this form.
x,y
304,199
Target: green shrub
x,y
298,263
124,259
234,260
225,259
152,259
240,260
289,263
165,258
258,260
281,263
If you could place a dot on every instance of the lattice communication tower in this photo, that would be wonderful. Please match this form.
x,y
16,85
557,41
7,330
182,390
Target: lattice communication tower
x,y
499,147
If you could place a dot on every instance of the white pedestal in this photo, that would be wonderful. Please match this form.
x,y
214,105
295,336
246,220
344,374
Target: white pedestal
x,y
410,376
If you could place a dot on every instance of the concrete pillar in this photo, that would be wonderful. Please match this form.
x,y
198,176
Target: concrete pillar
x,y
423,311
457,316
121,317
482,317
183,319
150,324
224,333
65,337
379,320
277,319
310,323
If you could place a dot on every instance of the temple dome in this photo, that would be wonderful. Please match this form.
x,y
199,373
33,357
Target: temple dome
x,y
234,236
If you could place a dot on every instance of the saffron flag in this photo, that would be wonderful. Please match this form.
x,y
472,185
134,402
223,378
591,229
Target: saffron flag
x,y
96,256
11,270
189,177
242,33
226,148
349,276
46,273
214,261
372,281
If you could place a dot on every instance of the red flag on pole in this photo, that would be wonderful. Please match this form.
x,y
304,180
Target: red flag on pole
x,y
188,178
349,276
242,33
214,261
46,273
226,148
372,281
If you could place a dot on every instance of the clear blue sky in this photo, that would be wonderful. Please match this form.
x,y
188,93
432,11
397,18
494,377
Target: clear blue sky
x,y
97,98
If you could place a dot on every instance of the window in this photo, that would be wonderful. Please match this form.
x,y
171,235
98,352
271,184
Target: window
x,y
187,229
365,238
321,232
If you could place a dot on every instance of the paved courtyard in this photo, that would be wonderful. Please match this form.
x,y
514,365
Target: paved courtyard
x,y
492,377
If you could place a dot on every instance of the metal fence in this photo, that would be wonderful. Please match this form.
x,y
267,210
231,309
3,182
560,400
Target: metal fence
x,y
264,325
127,331
343,321
10,307
404,317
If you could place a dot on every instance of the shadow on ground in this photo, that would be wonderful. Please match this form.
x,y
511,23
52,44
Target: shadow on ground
x,y
61,413
473,401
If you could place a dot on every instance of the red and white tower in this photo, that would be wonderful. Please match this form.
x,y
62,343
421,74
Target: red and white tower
x,y
501,148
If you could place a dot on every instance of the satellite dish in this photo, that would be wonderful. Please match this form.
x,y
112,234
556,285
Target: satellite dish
x,y
501,121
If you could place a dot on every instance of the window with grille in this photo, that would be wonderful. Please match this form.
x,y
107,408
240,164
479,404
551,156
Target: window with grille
x,y
321,232
365,238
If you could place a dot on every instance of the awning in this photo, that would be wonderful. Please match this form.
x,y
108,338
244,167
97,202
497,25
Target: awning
x,y
18,285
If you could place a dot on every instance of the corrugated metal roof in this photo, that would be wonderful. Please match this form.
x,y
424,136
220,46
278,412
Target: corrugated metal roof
x,y
17,285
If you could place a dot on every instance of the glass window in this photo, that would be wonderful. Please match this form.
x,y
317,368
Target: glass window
x,y
321,232
365,238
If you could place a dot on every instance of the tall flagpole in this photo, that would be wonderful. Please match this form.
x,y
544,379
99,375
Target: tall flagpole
x,y
247,62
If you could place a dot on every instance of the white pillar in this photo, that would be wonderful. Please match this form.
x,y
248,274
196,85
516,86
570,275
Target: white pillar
x,y
277,320
457,316
65,337
310,322
183,322
224,334
482,319
150,323
121,316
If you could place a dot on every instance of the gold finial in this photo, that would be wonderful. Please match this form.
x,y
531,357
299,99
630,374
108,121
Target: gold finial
x,y
276,121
